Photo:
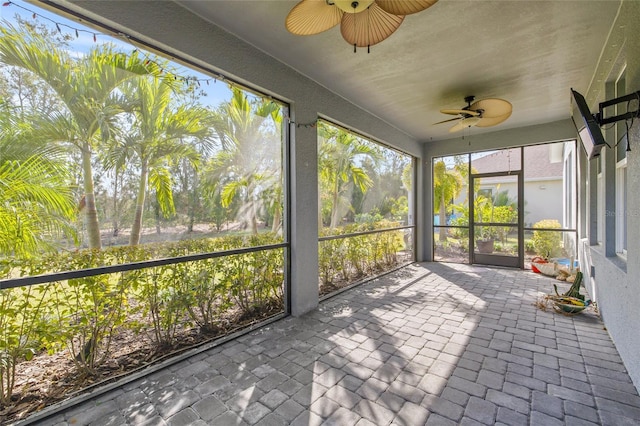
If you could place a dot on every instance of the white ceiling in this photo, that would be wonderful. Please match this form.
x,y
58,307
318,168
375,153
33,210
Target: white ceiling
x,y
527,52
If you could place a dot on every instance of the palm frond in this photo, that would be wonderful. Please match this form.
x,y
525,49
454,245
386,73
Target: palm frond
x,y
160,180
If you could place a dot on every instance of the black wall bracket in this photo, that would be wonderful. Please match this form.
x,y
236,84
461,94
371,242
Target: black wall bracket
x,y
600,116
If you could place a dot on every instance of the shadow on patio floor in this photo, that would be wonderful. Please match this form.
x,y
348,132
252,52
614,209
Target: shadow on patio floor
x,y
432,343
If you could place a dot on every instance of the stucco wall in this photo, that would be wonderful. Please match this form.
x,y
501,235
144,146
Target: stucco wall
x,y
614,282
543,198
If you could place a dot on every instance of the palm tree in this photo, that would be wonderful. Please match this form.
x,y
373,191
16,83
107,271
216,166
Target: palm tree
x,y
338,168
250,166
86,86
447,185
158,138
212,184
36,200
114,159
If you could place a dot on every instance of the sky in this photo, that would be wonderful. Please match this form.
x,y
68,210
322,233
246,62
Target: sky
x,y
216,93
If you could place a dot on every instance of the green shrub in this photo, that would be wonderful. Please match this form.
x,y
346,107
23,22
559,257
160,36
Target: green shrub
x,y
206,295
371,217
22,332
529,247
82,315
86,312
254,279
504,214
360,251
162,302
459,233
547,244
353,257
329,252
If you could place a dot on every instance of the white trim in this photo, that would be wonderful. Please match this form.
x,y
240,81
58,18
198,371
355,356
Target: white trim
x,y
600,207
621,207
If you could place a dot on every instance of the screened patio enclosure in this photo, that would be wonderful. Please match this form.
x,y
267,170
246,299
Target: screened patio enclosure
x,y
147,206
522,201
190,179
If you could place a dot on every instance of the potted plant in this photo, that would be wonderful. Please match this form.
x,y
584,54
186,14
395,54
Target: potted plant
x,y
485,239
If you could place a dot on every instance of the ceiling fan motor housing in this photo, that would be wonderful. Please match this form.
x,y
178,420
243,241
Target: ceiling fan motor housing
x,y
353,6
483,113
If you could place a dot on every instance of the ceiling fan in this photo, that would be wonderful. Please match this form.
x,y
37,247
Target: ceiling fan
x,y
483,113
362,22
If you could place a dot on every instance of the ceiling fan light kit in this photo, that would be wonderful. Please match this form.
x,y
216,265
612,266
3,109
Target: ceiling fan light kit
x,y
362,22
483,113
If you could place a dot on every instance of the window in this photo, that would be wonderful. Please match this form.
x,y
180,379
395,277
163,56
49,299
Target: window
x,y
366,207
486,192
174,156
451,208
600,196
143,204
621,170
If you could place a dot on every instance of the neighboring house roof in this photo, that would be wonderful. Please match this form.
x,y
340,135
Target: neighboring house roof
x,y
538,164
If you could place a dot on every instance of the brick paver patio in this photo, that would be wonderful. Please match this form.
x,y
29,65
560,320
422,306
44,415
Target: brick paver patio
x,y
435,344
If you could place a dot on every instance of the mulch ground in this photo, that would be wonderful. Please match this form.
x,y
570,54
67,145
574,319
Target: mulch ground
x,y
49,379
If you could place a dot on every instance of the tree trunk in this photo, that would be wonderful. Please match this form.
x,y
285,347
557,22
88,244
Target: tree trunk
x,y
157,216
335,219
193,205
191,222
136,227
277,218
253,221
91,213
443,220
116,229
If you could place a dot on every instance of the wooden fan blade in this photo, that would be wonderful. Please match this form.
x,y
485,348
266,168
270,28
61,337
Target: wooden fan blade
x,y
492,107
492,121
405,7
312,17
369,27
446,121
457,128
460,112
464,123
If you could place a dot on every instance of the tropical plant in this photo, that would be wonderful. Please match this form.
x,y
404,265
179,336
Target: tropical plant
x,y
25,90
339,155
86,86
156,140
212,184
35,195
248,165
447,184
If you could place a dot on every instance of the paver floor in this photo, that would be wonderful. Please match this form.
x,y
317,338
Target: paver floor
x,y
435,344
